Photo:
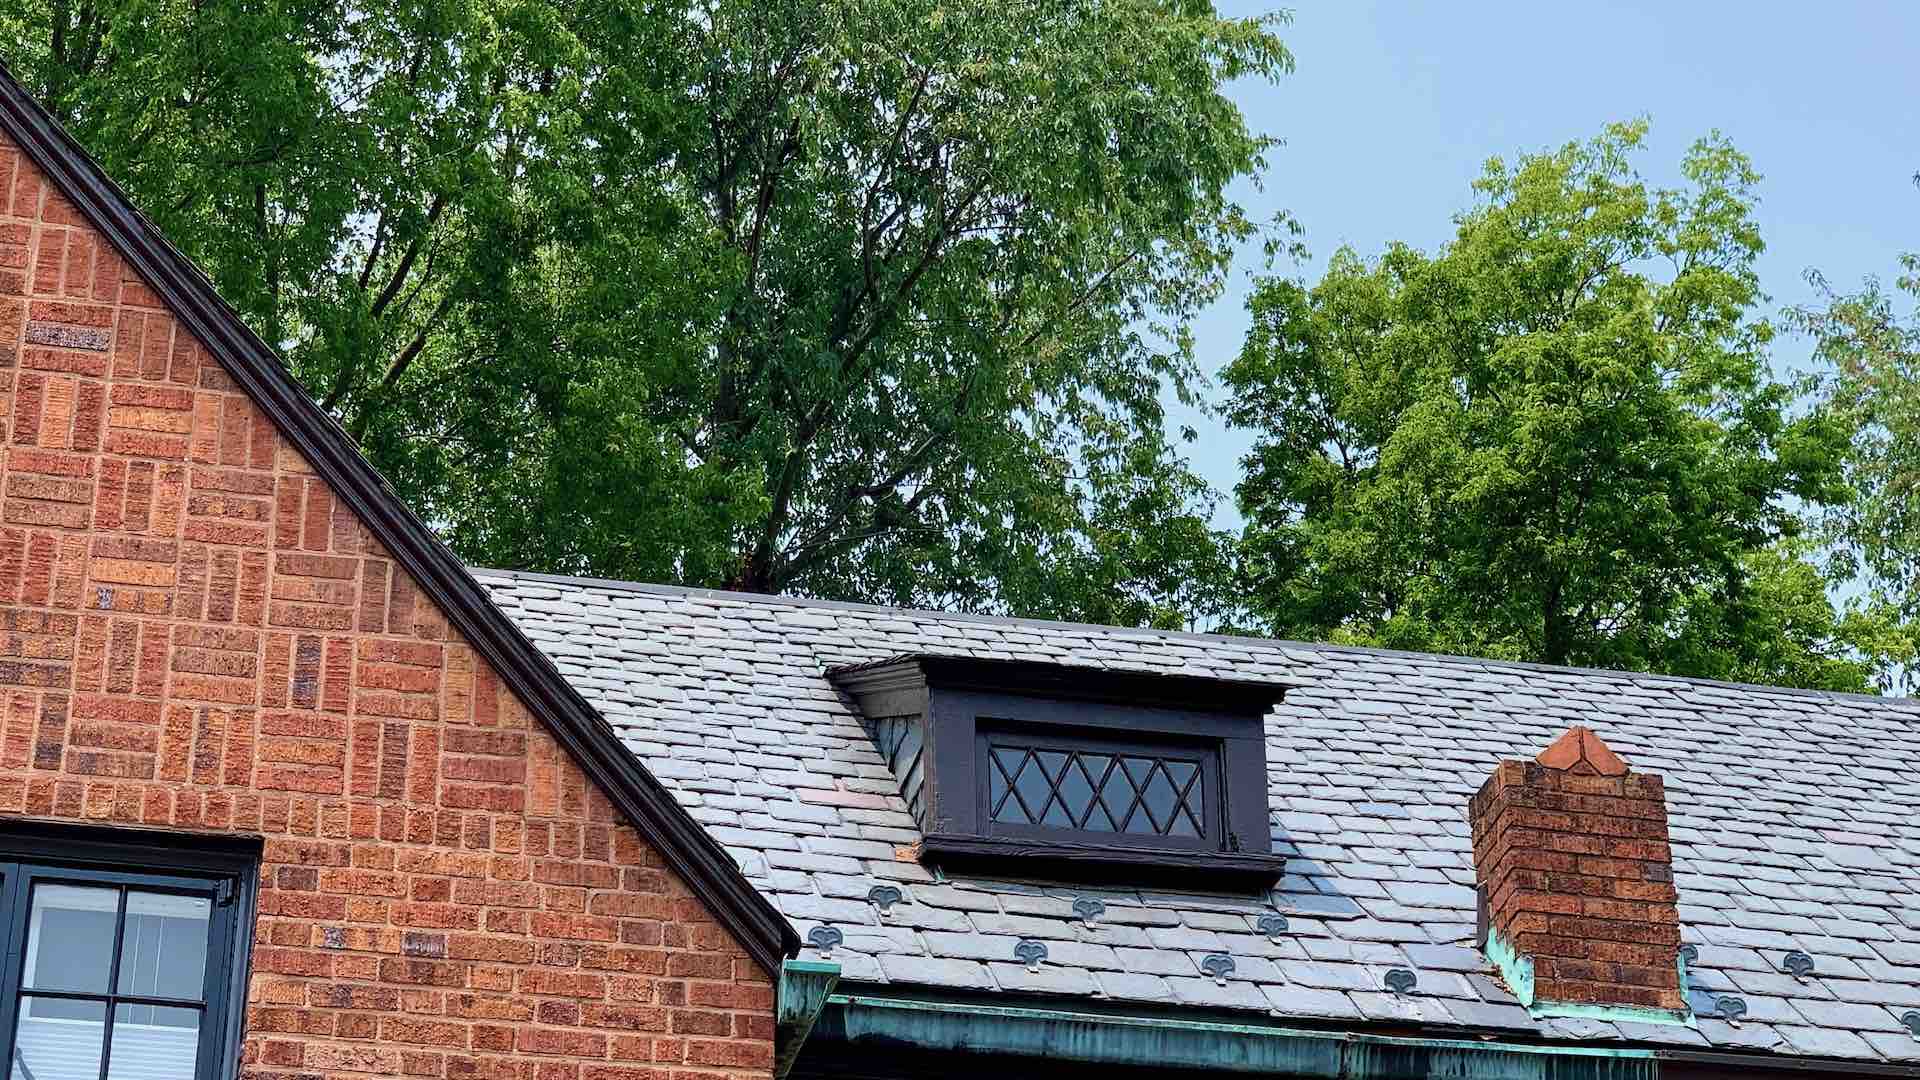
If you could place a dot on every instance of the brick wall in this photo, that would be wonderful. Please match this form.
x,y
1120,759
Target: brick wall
x,y
194,636
1576,874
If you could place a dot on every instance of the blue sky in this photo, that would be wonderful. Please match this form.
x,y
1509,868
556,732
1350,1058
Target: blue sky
x,y
1395,106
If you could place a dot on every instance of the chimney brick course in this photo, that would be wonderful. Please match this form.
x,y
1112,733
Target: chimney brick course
x,y
1576,876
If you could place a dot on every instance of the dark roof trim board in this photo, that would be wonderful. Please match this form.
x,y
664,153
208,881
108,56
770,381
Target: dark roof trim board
x,y
686,847
1074,682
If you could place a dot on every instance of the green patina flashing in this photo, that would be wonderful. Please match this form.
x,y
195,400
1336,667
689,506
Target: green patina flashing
x,y
802,994
1170,1044
1517,971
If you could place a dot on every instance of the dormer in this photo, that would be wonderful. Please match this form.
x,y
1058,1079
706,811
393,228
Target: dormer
x,y
1054,771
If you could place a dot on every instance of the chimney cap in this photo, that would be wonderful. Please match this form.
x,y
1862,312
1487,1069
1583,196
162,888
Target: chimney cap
x,y
1581,751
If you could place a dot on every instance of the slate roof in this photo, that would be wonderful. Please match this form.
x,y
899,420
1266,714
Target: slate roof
x,y
1792,816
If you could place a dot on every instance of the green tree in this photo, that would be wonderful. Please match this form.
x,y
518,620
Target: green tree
x,y
1555,439
1868,345
871,299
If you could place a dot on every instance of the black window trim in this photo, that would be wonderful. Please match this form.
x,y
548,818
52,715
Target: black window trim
x,y
223,868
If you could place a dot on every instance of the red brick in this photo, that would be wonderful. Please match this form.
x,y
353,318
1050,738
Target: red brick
x,y
542,1040
1573,863
196,634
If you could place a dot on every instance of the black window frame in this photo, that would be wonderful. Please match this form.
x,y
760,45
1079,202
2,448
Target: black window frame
x,y
964,702
223,869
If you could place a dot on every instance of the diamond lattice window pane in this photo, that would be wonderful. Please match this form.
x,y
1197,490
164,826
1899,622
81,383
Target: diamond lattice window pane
x,y
1096,792
1186,780
1006,803
1076,794
1139,771
1031,790
1097,818
1159,798
1117,795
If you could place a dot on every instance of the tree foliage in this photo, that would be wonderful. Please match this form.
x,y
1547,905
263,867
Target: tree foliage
x,y
1555,439
870,299
1868,346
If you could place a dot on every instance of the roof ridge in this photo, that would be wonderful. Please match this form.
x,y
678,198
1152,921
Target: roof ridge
x,y
256,368
1276,644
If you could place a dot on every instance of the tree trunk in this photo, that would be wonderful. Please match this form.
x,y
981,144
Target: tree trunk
x,y
755,575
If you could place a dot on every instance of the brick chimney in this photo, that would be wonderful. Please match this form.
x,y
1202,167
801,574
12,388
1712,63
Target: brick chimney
x,y
1576,880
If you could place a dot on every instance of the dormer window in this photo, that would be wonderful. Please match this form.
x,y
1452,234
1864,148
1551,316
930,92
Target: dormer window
x,y
1140,793
1078,772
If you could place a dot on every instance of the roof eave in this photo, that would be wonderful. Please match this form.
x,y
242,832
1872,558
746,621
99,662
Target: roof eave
x,y
907,1032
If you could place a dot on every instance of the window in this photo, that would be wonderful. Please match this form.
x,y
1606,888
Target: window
x,y
1039,785
123,956
1079,772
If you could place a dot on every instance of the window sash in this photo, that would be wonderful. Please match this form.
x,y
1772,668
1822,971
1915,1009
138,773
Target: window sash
x,y
115,867
1006,733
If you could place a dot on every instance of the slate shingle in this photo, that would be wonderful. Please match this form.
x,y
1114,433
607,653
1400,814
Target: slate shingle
x,y
1791,815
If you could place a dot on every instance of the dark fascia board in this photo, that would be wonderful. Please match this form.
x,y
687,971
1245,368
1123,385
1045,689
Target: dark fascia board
x,y
1228,872
687,848
1065,681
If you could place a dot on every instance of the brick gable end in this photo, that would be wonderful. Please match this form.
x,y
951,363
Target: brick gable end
x,y
194,635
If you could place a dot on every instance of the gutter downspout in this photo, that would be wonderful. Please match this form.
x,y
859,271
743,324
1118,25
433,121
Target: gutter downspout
x,y
802,995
